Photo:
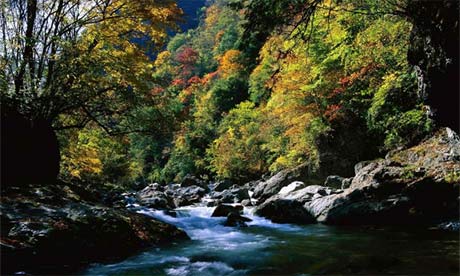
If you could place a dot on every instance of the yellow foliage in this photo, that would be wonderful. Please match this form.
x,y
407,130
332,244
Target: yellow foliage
x,y
230,63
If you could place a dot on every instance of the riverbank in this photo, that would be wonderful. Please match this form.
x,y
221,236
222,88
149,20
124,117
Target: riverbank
x,y
60,228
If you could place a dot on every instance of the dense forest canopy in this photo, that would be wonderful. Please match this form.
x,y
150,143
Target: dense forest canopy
x,y
257,87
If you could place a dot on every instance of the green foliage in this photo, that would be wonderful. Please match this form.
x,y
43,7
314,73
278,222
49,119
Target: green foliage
x,y
90,154
400,119
239,151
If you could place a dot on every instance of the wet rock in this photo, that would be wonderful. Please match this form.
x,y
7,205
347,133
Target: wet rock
x,y
171,213
453,226
224,210
284,211
236,220
213,203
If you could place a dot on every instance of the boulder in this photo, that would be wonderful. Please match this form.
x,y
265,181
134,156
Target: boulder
x,y
152,197
274,184
294,186
223,210
288,204
452,226
284,211
236,220
233,195
419,185
190,180
222,185
187,195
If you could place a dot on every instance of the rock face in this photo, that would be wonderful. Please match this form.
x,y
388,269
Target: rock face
x,y
417,185
54,230
433,51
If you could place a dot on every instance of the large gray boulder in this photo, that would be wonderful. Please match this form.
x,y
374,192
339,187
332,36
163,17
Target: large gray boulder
x,y
294,186
153,196
288,204
274,184
187,195
191,180
284,211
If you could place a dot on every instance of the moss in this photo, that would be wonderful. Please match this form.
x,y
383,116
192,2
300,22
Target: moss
x,y
452,177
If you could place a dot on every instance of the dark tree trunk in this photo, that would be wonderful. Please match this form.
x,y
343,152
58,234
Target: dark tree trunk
x,y
434,50
29,150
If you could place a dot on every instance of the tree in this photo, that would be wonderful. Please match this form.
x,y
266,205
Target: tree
x,y
433,49
65,63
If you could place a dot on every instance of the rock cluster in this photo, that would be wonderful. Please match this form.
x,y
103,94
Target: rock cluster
x,y
51,229
416,185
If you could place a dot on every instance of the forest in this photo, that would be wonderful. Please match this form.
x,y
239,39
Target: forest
x,y
116,97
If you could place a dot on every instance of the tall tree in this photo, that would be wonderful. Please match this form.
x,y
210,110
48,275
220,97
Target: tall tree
x,y
65,63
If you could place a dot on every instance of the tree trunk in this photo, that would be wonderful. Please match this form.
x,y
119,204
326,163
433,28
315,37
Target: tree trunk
x,y
29,150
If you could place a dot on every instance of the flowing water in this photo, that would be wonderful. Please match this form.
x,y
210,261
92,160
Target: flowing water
x,y
266,248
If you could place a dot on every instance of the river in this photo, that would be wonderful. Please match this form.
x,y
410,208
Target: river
x,y
266,248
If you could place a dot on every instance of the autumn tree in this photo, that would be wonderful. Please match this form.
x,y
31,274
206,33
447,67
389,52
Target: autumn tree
x,y
433,47
65,63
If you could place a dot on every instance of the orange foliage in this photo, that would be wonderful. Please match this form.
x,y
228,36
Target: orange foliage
x,y
230,63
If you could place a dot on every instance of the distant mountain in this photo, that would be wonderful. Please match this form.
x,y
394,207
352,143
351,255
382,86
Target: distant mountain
x,y
191,9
